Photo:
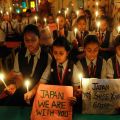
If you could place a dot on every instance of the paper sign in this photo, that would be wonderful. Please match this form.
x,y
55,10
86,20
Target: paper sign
x,y
46,37
52,27
100,96
51,103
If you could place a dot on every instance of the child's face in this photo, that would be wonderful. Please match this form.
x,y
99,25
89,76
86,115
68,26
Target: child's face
x,y
28,14
100,13
19,19
103,25
61,22
118,50
6,17
31,41
50,19
81,12
81,25
86,15
39,26
60,54
91,51
73,16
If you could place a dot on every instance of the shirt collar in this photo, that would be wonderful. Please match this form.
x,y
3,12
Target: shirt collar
x,y
118,58
89,62
103,32
64,64
37,53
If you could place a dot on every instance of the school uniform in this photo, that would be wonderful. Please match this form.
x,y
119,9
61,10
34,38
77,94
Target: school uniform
x,y
92,69
64,74
113,67
72,22
88,24
29,20
31,67
106,42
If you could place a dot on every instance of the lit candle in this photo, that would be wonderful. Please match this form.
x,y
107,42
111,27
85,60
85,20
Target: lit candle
x,y
36,19
1,12
97,4
119,30
10,9
45,20
67,9
77,13
96,14
80,76
1,77
65,13
7,14
58,23
27,84
98,25
75,32
59,11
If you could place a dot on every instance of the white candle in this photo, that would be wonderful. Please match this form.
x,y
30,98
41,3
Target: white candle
x,y
1,77
7,14
36,19
75,32
65,13
77,13
10,9
119,30
80,76
27,84
45,20
1,12
96,14
67,9
97,4
98,24
58,23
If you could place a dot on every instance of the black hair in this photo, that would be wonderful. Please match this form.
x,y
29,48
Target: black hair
x,y
20,14
104,17
32,28
50,15
62,41
28,10
117,41
60,14
39,21
89,13
102,8
73,12
90,39
82,17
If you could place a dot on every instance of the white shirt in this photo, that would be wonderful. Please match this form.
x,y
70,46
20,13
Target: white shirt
x,y
31,20
2,37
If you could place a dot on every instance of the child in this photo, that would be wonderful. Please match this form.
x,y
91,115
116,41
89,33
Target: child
x,y
80,35
113,68
29,19
92,66
101,12
80,12
63,71
88,19
50,19
30,63
105,37
73,18
39,24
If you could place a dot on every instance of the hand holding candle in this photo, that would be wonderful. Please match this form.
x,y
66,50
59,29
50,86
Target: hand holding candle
x,y
1,77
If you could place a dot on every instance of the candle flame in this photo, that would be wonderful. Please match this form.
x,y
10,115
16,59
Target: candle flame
x,y
119,29
1,77
36,17
27,83
59,11
10,8
77,12
75,30
97,3
96,13
80,76
67,9
57,20
45,19
98,24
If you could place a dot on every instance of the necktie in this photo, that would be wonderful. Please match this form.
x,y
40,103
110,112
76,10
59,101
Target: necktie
x,y
102,36
91,68
6,27
20,27
60,71
81,35
31,62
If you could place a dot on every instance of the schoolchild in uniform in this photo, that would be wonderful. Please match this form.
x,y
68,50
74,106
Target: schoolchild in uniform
x,y
92,66
50,19
30,64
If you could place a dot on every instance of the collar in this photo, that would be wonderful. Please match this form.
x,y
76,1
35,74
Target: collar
x,y
103,32
63,64
37,53
89,62
118,58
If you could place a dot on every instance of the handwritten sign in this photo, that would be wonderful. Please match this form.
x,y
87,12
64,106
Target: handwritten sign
x,y
52,26
100,96
46,37
51,103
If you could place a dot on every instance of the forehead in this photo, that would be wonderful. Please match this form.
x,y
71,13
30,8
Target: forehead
x,y
60,18
81,21
58,48
30,34
103,21
92,45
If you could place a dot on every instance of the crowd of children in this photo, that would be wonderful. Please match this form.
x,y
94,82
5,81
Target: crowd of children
x,y
96,53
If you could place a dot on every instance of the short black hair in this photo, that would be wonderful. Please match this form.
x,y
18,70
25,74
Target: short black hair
x,y
28,10
102,8
117,41
50,15
88,12
104,17
62,41
60,14
32,28
20,14
82,17
90,39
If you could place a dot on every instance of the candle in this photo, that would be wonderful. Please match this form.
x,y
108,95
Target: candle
x,y
10,9
1,77
59,11
75,32
96,15
58,23
80,76
98,26
45,20
97,4
36,19
27,84
65,13
67,9
1,12
77,13
119,30
8,14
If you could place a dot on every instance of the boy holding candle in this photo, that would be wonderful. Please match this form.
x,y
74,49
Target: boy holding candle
x,y
105,38
30,63
92,66
50,19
